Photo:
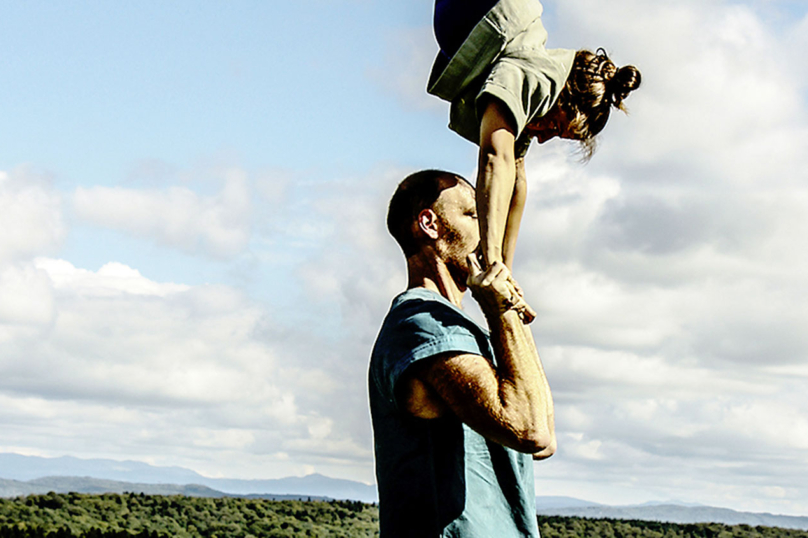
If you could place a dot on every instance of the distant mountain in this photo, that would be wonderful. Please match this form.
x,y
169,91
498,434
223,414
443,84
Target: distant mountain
x,y
675,513
674,502
553,503
22,468
67,484
18,467
313,484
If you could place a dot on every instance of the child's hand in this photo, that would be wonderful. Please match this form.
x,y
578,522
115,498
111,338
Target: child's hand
x,y
519,304
491,287
496,290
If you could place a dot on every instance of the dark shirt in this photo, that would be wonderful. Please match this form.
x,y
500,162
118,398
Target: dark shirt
x,y
455,19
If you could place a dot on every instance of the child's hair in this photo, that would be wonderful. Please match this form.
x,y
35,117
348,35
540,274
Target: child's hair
x,y
595,85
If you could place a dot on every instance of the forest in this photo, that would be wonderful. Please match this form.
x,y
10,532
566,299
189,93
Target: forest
x,y
136,515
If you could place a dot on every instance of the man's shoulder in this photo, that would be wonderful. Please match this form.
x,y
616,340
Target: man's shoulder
x,y
426,310
415,299
422,324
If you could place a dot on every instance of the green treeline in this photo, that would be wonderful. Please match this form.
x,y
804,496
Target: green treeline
x,y
575,527
132,515
110,515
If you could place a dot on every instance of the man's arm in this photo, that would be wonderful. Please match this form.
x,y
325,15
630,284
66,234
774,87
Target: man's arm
x,y
551,449
510,404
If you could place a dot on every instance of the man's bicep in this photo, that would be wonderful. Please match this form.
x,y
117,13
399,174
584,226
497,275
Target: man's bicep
x,y
469,386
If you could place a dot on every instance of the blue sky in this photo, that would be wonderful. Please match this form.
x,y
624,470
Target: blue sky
x,y
174,82
193,264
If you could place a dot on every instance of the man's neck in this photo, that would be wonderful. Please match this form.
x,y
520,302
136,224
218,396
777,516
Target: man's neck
x,y
434,275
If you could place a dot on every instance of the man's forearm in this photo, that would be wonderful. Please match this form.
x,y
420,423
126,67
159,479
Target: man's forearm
x,y
524,394
549,450
509,403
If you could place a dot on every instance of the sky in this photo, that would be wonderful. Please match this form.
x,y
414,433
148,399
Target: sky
x,y
194,264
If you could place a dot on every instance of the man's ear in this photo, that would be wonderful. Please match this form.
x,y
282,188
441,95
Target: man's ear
x,y
428,223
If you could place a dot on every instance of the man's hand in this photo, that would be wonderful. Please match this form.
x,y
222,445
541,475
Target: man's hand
x,y
491,288
496,290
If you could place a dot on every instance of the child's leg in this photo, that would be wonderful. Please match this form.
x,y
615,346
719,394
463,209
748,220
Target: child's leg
x,y
496,177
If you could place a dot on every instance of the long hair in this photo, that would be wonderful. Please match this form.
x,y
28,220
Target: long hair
x,y
594,86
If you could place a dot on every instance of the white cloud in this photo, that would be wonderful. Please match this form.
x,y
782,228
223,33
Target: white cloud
x,y
218,225
112,279
365,267
30,215
31,222
27,297
719,99
151,367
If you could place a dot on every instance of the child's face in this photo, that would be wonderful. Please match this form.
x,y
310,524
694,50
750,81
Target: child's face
x,y
551,125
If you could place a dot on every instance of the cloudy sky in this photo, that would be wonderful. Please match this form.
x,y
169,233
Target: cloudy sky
x,y
193,262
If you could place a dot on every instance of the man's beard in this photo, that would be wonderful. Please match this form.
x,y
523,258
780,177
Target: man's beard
x,y
456,262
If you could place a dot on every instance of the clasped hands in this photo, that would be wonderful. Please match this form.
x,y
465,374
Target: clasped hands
x,y
496,290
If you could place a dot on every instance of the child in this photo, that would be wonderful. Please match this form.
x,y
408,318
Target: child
x,y
506,88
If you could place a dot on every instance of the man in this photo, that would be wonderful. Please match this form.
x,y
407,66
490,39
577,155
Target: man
x,y
458,415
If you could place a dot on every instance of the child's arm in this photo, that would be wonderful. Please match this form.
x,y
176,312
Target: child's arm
x,y
501,186
496,177
515,213
500,193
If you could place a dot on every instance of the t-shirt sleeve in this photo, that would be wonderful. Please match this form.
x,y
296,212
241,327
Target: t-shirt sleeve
x,y
415,331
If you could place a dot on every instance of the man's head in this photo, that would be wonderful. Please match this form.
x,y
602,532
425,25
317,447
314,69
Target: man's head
x,y
433,213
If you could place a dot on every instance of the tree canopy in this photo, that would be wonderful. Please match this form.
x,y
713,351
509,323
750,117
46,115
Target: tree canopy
x,y
135,515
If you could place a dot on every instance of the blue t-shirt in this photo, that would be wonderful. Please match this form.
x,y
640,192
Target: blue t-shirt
x,y
440,478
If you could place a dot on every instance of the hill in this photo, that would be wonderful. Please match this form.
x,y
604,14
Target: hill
x,y
26,468
73,484
675,513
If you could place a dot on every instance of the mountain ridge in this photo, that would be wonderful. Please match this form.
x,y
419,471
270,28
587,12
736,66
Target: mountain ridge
x,y
26,468
84,484
674,513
